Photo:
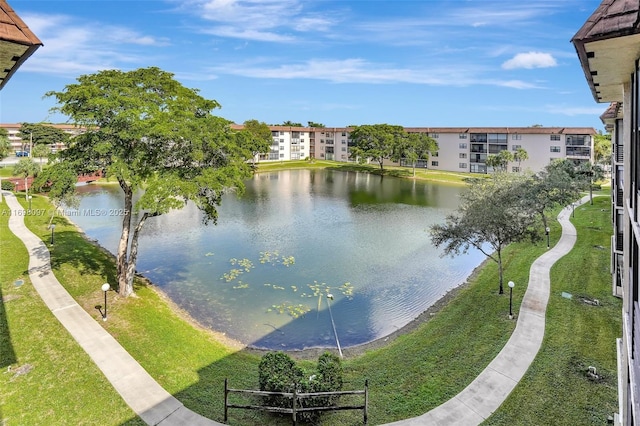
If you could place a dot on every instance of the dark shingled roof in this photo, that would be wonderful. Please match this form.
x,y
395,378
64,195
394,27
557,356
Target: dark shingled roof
x,y
17,42
614,22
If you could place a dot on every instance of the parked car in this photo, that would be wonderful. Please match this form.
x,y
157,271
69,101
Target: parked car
x,y
22,153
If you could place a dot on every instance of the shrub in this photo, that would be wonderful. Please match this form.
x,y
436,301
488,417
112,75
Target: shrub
x,y
279,373
7,185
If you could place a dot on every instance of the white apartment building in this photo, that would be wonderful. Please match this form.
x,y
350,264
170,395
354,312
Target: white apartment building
x,y
462,149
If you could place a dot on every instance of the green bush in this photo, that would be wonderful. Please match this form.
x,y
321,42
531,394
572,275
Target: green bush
x,y
7,185
278,372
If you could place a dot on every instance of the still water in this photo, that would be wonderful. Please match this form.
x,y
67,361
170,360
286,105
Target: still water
x,y
262,274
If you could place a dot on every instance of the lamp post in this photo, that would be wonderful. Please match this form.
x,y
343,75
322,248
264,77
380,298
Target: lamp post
x,y
53,226
105,288
573,209
335,333
547,230
511,285
29,198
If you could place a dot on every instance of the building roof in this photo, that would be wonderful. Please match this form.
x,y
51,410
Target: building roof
x,y
17,42
608,45
509,130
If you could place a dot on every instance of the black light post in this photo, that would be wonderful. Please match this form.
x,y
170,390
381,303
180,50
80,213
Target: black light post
x,y
511,285
573,209
547,230
105,288
52,226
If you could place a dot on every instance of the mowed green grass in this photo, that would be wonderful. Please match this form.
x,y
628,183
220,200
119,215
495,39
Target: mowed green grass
x,y
409,376
45,377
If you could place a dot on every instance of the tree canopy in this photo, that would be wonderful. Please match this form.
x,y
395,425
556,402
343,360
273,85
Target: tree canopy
x,y
414,147
150,133
41,134
377,142
255,137
5,144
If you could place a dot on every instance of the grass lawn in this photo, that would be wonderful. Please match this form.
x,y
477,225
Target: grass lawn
x,y
409,376
45,378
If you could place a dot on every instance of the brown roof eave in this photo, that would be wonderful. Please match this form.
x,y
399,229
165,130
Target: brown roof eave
x,y
18,63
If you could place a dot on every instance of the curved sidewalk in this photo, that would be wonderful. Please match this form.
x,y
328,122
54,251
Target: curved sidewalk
x,y
139,390
488,391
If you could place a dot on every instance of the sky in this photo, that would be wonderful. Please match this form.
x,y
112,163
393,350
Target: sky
x,y
415,63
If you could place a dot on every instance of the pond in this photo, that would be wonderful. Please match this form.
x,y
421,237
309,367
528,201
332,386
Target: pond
x,y
263,273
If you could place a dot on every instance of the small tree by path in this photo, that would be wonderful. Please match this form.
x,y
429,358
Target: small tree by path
x,y
493,214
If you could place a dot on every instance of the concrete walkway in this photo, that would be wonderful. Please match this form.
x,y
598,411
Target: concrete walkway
x,y
488,391
157,407
138,389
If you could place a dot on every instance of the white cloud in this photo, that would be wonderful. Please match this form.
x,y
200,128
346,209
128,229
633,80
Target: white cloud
x,y
260,20
72,46
358,70
530,60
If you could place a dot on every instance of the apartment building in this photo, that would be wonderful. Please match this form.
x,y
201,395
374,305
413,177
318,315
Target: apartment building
x,y
461,149
608,46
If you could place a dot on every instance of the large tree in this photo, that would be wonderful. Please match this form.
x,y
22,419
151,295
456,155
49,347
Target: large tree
x,y
414,147
493,214
377,142
150,133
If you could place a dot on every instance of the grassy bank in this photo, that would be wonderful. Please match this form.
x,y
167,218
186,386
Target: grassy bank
x,y
403,172
407,377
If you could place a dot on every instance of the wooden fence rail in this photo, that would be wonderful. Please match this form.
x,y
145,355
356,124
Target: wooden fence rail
x,y
295,398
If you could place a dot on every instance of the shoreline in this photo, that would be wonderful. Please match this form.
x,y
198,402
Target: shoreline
x,y
307,353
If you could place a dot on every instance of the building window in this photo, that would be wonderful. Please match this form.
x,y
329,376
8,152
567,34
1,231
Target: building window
x,y
555,148
462,136
282,148
344,149
462,146
344,133
515,169
434,163
516,137
344,142
462,165
554,137
462,155
435,154
281,133
435,135
281,155
515,147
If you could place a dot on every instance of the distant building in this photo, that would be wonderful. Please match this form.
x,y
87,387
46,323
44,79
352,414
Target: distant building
x,y
461,149
608,46
17,42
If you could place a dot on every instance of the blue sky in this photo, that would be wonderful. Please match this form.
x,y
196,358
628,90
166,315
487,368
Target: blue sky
x,y
413,63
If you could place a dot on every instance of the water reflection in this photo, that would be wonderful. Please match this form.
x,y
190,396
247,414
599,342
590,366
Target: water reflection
x,y
293,235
